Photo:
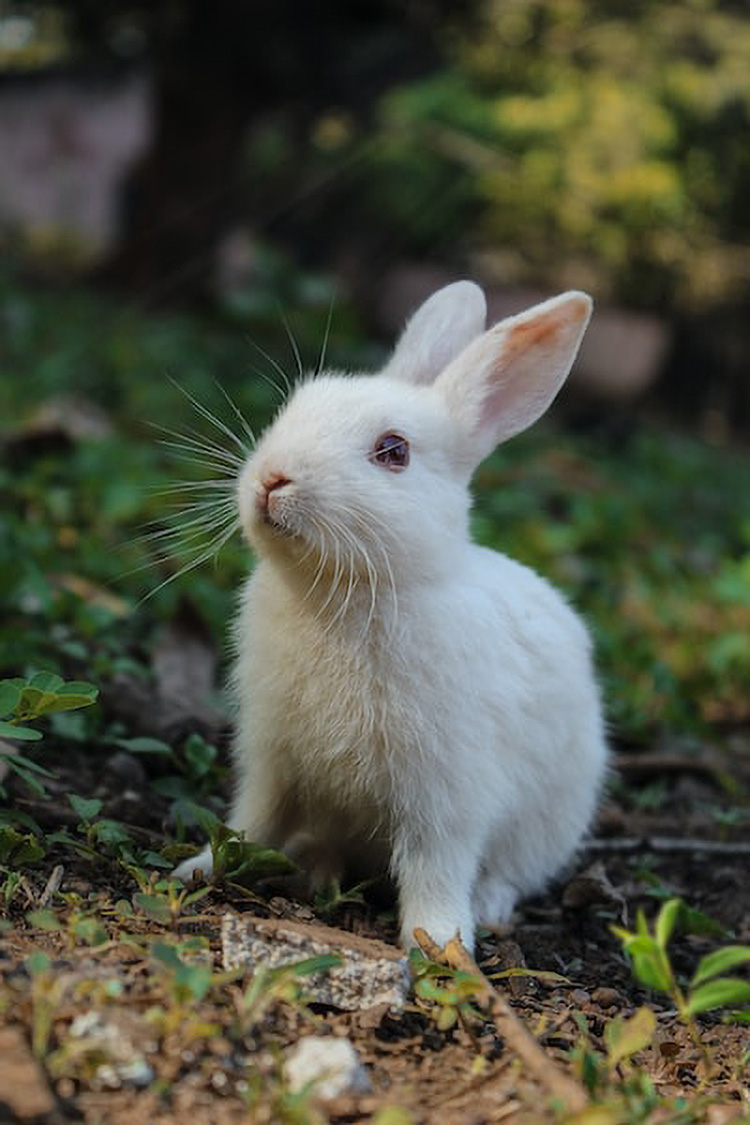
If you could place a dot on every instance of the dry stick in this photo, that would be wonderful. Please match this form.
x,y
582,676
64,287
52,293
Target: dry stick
x,y
53,886
509,1026
667,844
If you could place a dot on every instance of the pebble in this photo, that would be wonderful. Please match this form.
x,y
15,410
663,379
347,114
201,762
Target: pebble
x,y
332,1064
127,768
606,997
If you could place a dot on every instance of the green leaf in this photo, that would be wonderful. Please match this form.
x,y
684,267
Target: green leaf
x,y
319,964
718,962
199,755
46,681
167,954
62,702
626,1037
392,1115
44,920
91,931
545,975
155,907
249,862
153,859
718,994
446,1018
10,694
18,849
694,921
23,765
649,962
144,746
31,703
82,688
37,962
666,921
196,978
85,807
23,734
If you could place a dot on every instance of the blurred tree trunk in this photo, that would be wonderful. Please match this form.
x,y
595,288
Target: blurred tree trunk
x,y
183,195
217,65
186,190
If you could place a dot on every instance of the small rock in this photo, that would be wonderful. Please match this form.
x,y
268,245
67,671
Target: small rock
x,y
128,769
580,997
370,973
332,1064
591,887
111,1039
606,997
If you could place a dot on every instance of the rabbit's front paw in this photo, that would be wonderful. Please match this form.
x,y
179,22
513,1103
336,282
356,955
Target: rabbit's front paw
x,y
434,893
202,862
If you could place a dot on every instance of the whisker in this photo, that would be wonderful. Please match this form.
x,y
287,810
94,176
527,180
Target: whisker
x,y
326,336
187,444
204,557
187,530
237,412
276,366
172,488
293,342
210,417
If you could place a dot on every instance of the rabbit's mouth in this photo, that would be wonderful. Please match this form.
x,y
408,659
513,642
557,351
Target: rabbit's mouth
x,y
278,527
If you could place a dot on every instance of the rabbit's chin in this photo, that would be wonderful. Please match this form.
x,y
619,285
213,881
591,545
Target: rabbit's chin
x,y
264,530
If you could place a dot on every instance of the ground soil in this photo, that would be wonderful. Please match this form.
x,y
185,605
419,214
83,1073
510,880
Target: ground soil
x,y
671,827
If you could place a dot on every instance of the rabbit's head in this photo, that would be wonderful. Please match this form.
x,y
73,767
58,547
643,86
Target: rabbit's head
x,y
368,474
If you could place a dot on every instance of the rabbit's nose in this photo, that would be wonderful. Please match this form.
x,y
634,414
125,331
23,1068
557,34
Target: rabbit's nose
x,y
268,486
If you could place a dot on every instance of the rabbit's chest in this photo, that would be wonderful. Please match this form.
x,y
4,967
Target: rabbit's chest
x,y
348,717
342,716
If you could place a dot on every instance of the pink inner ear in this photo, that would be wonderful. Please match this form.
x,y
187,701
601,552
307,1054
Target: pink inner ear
x,y
506,379
534,333
532,357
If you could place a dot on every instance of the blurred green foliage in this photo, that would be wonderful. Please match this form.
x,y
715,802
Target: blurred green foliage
x,y
649,533
573,142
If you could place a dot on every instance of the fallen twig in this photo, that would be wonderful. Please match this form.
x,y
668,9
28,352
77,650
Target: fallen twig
x,y
656,763
53,886
509,1026
667,844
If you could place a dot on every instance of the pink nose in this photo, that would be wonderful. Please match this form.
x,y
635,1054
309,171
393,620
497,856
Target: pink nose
x,y
269,485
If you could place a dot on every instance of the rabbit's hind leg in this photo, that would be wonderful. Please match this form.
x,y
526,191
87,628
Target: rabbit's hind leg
x,y
494,898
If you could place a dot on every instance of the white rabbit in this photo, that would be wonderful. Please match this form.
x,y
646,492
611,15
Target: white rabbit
x,y
409,701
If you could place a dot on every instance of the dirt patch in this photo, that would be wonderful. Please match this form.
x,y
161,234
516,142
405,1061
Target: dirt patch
x,y
112,1027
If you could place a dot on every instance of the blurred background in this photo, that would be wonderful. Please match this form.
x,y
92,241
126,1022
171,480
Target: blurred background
x,y
180,179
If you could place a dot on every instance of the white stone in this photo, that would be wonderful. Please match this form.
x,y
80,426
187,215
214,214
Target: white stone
x,y
332,1064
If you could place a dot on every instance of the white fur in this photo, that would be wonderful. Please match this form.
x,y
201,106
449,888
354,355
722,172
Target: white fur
x,y
409,701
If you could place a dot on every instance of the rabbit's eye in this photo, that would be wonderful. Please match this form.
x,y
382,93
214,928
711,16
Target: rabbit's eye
x,y
392,451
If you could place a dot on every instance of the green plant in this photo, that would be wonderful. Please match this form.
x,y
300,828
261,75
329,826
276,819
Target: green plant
x,y
164,900
78,925
708,988
587,141
611,1075
45,693
189,981
285,985
333,896
236,859
449,994
24,701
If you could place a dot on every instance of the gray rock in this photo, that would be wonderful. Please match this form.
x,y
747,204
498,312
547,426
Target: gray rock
x,y
371,973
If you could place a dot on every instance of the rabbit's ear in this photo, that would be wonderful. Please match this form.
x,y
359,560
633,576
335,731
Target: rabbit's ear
x,y
439,329
506,379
